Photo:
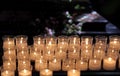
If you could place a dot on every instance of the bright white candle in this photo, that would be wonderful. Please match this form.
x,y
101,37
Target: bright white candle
x,y
94,64
7,73
55,64
46,72
25,72
109,63
73,72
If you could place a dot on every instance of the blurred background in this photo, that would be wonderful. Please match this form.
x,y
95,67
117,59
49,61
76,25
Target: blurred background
x,y
53,17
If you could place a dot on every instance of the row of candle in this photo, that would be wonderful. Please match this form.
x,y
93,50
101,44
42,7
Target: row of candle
x,y
60,41
47,53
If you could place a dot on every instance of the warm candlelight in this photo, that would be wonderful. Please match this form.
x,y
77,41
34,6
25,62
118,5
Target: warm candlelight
x,y
23,54
40,64
8,42
21,41
99,53
7,73
55,65
10,53
86,53
10,65
34,53
73,53
46,72
63,42
68,64
73,72
114,41
48,54
24,64
109,63
60,53
25,72
86,40
39,42
82,64
94,64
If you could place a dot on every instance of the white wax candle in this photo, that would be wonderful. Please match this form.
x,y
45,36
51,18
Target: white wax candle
x,y
81,65
25,73
7,73
94,64
46,72
73,73
109,63
55,65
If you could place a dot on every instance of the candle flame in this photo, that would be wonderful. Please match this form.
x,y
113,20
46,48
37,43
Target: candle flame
x,y
109,59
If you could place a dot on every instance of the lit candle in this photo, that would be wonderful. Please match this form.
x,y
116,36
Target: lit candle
x,y
109,63
73,53
51,43
86,40
73,72
21,41
25,72
40,64
68,64
55,65
63,42
34,53
10,53
11,65
46,72
81,65
99,53
94,64
7,73
8,42
114,41
86,53
23,54
60,53
39,42
48,54
24,64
